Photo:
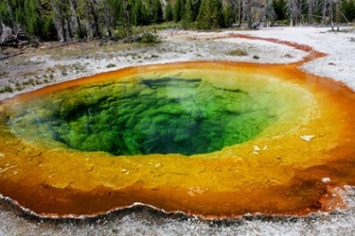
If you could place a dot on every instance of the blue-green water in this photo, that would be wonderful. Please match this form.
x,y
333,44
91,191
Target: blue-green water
x,y
166,115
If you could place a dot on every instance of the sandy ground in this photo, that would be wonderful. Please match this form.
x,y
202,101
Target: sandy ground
x,y
54,63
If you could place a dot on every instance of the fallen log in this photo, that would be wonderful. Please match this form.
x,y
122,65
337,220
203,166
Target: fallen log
x,y
11,55
14,54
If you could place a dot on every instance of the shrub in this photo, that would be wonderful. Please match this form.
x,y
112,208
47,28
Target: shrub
x,y
238,52
149,38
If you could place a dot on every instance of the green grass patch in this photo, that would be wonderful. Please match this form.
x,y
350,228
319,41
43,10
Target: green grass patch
x,y
238,52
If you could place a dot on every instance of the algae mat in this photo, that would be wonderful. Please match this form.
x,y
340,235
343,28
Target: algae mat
x,y
214,139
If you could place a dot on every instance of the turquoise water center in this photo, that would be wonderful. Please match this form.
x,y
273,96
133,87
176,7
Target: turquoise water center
x,y
156,115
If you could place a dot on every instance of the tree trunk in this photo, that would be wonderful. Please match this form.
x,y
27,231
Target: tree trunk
x,y
126,14
337,9
107,8
74,7
6,33
310,11
96,19
240,12
291,10
331,14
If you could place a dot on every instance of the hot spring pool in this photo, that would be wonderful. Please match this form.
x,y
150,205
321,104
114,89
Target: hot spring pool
x,y
214,139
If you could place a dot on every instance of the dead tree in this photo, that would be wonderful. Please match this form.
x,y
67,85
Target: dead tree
x,y
255,13
17,38
327,13
59,8
337,12
92,4
74,10
126,24
6,33
311,6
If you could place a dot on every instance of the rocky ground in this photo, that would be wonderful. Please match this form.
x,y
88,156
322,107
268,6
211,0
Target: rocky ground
x,y
54,62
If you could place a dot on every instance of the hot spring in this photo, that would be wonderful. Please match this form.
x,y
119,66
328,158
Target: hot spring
x,y
215,139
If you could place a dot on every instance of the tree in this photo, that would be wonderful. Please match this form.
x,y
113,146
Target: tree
x,y
311,7
348,9
168,14
125,21
74,10
6,13
327,12
60,15
203,18
157,12
137,15
230,12
179,10
279,8
210,15
33,20
294,10
216,13
93,9
188,17
270,14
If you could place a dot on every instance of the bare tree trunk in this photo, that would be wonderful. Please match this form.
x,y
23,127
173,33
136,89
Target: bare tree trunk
x,y
240,12
270,13
291,7
74,9
6,33
330,9
108,17
324,11
248,14
126,14
244,10
59,20
310,11
95,18
69,30
337,8
63,30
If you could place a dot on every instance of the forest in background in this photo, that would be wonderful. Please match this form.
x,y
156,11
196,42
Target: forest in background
x,y
67,20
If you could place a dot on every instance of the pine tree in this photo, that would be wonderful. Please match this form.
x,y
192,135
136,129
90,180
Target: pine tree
x,y
33,21
168,12
137,17
157,12
230,13
188,14
216,14
203,18
210,15
179,10
195,8
348,9
6,13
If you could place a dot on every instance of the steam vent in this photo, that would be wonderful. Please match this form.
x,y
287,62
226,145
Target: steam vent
x,y
213,139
